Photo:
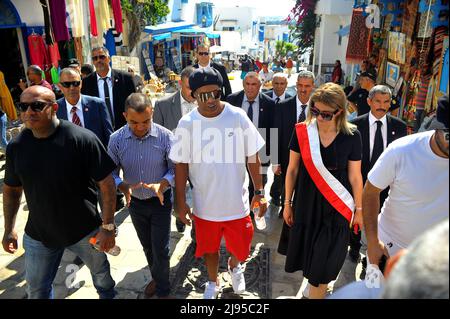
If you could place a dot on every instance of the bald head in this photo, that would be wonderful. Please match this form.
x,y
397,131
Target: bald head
x,y
38,92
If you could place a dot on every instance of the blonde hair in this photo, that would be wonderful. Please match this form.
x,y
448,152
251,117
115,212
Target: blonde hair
x,y
333,95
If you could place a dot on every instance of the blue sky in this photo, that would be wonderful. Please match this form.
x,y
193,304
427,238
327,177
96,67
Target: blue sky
x,y
263,7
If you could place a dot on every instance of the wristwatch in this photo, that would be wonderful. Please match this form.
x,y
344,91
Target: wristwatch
x,y
260,192
109,227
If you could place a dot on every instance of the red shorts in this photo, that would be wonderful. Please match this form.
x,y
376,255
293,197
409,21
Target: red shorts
x,y
238,235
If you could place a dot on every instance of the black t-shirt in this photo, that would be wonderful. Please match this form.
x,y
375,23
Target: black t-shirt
x,y
57,175
359,97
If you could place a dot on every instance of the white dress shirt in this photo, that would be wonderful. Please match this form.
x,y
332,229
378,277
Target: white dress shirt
x,y
79,111
282,97
186,107
373,130
202,67
255,106
102,93
299,108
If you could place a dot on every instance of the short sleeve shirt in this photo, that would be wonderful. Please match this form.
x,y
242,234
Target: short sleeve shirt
x,y
57,175
216,150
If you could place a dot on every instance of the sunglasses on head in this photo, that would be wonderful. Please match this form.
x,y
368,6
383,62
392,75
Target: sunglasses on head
x,y
69,84
37,106
203,53
98,57
205,96
326,116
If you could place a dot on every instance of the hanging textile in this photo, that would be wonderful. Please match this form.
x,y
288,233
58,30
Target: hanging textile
x,y
78,49
54,75
75,9
59,22
6,101
357,40
103,17
93,20
86,48
48,26
117,12
37,50
54,55
109,43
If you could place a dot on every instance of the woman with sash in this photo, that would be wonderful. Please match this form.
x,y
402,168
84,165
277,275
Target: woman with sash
x,y
325,171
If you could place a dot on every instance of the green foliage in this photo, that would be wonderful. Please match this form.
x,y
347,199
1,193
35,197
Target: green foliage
x,y
282,48
304,30
141,13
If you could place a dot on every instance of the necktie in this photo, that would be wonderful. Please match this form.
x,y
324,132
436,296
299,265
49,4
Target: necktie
x,y
75,119
378,146
302,115
277,100
250,110
107,100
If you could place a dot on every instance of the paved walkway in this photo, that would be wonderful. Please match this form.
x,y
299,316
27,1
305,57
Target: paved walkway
x,y
129,268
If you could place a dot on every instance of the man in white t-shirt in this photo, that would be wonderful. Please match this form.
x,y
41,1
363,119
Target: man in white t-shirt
x,y
213,144
416,169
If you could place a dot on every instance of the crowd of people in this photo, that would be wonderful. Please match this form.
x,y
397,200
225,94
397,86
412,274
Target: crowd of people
x,y
338,182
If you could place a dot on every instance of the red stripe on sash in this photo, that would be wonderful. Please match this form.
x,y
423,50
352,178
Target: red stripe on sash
x,y
319,181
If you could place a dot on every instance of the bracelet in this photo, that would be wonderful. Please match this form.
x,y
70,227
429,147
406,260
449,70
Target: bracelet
x,y
358,208
288,202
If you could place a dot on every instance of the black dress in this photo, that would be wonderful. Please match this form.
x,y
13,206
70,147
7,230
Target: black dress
x,y
317,241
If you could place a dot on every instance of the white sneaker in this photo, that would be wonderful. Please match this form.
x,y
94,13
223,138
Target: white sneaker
x,y
237,278
211,290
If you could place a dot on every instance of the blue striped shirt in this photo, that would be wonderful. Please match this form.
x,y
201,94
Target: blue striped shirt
x,y
143,159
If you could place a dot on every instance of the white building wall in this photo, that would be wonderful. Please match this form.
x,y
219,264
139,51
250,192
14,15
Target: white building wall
x,y
30,12
334,13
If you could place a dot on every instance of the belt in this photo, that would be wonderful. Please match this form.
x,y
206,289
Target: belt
x,y
147,200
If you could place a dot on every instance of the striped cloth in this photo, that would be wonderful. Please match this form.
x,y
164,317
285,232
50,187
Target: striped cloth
x,y
142,159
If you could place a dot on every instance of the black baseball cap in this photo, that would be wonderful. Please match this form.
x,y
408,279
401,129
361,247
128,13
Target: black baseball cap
x,y
204,76
369,75
73,62
440,121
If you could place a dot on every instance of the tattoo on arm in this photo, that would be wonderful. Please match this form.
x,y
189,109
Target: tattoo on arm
x,y
108,202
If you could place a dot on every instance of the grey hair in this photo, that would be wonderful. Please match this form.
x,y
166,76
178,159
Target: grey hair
x,y
138,102
306,75
422,273
252,75
280,75
69,70
101,48
381,89
187,71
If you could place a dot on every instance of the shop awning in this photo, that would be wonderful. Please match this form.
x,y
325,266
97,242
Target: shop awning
x,y
194,31
162,36
167,27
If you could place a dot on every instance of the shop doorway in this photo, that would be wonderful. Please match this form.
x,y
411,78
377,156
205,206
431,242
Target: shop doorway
x,y
10,59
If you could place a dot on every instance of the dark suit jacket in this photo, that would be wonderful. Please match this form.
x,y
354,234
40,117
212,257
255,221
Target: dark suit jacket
x,y
226,89
270,93
95,117
123,86
167,111
266,115
395,129
285,120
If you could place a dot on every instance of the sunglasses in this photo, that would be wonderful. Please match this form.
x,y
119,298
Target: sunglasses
x,y
69,84
98,57
37,106
326,116
205,96
203,53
